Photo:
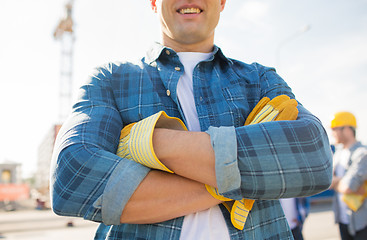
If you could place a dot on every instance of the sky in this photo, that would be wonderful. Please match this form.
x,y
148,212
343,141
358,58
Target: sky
x,y
318,46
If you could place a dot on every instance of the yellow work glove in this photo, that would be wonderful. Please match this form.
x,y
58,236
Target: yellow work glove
x,y
355,201
136,139
279,108
238,209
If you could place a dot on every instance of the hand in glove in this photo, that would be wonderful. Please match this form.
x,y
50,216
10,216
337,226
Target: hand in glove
x,y
136,139
279,108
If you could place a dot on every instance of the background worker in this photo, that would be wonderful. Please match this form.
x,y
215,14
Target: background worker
x,y
350,173
189,78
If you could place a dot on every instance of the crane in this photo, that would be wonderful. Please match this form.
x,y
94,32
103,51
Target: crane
x,y
65,34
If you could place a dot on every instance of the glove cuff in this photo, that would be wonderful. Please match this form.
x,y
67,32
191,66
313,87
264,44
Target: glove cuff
x,y
141,139
240,211
214,192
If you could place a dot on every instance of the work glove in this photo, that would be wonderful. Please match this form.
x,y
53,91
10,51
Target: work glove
x,y
238,209
355,201
278,109
136,139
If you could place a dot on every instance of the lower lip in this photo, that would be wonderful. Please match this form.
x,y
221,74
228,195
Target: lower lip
x,y
191,15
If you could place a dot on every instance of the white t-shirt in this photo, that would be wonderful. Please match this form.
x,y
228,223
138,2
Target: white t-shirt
x,y
290,211
208,224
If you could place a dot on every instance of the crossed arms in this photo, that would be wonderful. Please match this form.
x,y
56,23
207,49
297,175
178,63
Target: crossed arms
x,y
352,182
285,159
145,196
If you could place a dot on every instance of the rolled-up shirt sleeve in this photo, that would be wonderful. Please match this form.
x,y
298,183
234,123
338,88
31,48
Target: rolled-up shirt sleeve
x,y
224,143
87,179
272,160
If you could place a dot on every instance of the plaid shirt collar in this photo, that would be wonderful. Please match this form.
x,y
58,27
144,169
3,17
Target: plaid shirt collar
x,y
156,50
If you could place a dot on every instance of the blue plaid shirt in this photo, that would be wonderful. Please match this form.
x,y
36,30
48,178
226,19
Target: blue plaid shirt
x,y
264,161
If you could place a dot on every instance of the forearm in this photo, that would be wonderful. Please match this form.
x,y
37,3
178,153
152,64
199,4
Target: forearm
x,y
163,196
188,154
340,186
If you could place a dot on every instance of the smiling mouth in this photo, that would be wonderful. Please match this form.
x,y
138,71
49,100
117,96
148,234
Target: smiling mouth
x,y
189,11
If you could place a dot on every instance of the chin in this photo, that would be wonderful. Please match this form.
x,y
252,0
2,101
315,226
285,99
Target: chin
x,y
191,38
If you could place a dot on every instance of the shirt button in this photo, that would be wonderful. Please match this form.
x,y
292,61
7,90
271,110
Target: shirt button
x,y
201,99
168,92
177,68
168,52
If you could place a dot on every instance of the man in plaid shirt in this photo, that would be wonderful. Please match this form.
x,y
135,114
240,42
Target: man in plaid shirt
x,y
189,78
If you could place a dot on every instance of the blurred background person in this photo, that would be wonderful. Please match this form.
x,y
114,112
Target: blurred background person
x,y
349,180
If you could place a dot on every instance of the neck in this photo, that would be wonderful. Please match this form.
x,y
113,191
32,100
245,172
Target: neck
x,y
349,143
205,46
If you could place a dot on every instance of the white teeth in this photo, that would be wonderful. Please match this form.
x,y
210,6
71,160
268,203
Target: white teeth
x,y
189,10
